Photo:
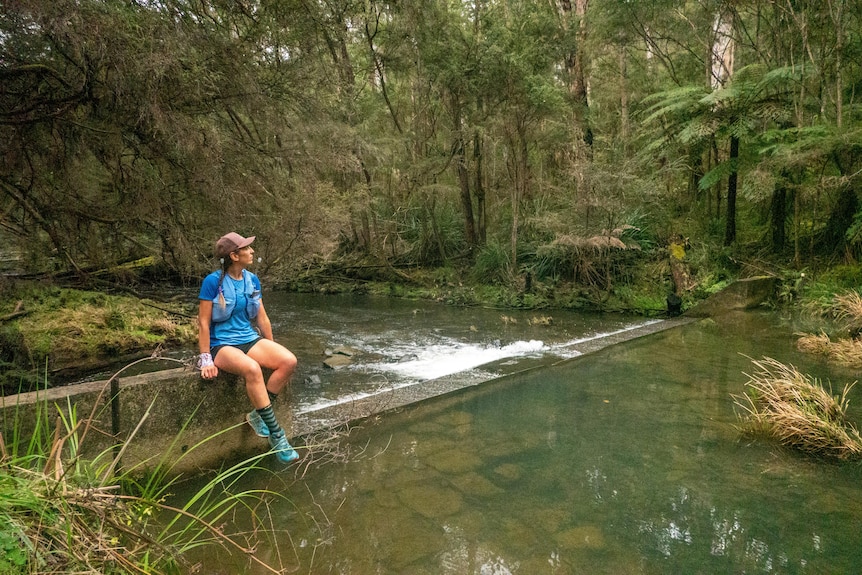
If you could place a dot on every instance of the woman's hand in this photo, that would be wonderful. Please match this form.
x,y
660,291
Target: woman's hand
x,y
206,365
209,372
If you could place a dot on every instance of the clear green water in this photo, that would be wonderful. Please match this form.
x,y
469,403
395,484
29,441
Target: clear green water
x,y
626,461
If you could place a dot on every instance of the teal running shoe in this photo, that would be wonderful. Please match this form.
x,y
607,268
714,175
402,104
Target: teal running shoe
x,y
254,420
282,449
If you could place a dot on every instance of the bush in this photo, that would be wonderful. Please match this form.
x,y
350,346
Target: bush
x,y
493,264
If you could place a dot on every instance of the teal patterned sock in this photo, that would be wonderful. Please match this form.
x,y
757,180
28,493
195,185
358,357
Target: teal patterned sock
x,y
268,417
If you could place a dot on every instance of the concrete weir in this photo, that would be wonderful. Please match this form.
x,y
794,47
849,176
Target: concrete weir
x,y
168,413
165,415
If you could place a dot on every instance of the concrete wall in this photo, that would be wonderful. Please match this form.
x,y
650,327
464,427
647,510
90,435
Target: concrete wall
x,y
744,294
175,408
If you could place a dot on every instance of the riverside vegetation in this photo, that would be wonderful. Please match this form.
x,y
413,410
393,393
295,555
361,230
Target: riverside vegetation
x,y
798,410
62,513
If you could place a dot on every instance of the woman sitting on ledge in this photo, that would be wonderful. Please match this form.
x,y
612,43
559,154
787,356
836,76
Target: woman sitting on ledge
x,y
230,300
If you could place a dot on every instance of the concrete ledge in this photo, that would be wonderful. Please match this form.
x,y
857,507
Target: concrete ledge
x,y
168,411
744,294
176,410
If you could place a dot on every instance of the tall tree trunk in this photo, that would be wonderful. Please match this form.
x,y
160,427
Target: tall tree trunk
x,y
479,188
721,69
624,98
466,198
730,230
578,71
722,49
519,165
779,217
575,63
461,169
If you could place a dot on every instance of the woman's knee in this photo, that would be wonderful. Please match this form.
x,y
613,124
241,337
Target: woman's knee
x,y
252,372
288,361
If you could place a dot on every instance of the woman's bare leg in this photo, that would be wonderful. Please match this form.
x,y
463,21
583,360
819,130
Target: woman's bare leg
x,y
233,360
279,359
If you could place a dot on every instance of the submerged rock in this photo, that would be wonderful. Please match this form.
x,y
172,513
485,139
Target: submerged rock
x,y
431,501
581,537
337,361
473,484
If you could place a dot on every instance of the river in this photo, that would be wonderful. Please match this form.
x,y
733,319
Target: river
x,y
627,460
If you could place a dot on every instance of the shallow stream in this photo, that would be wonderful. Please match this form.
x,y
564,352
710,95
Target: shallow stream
x,y
624,461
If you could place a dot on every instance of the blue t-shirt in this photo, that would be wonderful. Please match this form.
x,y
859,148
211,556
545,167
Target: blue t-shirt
x,y
237,329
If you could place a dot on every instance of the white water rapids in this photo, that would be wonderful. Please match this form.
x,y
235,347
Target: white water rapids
x,y
409,363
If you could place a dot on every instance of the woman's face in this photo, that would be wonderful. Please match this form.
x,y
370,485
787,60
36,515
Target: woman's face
x,y
244,256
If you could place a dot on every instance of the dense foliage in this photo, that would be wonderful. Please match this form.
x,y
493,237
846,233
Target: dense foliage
x,y
514,137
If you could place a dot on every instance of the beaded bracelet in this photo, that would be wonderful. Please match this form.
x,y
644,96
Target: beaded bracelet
x,y
205,360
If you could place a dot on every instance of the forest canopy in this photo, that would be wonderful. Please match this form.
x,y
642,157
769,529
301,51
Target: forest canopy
x,y
512,136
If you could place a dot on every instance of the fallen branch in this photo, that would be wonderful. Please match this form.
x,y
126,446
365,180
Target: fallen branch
x,y
17,312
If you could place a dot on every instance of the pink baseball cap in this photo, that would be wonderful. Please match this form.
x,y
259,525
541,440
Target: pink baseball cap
x,y
230,243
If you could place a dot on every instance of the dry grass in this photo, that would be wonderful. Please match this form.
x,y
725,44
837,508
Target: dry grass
x,y
846,352
848,308
817,344
795,409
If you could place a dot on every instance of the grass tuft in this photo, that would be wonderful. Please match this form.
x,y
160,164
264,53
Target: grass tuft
x,y
795,409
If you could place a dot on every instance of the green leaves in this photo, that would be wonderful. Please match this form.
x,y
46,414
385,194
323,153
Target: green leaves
x,y
14,550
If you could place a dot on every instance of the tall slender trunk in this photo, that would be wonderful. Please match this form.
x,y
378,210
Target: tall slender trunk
x,y
730,229
624,98
721,69
520,181
573,13
779,217
479,188
463,175
837,17
466,198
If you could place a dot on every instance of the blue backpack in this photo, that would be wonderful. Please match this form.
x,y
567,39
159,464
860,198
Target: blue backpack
x,y
228,290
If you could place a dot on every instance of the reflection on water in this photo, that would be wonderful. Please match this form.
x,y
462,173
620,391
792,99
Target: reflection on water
x,y
625,461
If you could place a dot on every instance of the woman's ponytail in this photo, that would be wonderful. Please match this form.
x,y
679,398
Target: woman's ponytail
x,y
221,302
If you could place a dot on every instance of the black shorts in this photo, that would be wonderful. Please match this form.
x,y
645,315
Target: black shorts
x,y
243,347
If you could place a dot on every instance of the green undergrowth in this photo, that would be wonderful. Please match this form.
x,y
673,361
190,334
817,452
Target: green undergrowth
x,y
645,295
69,330
817,291
66,507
